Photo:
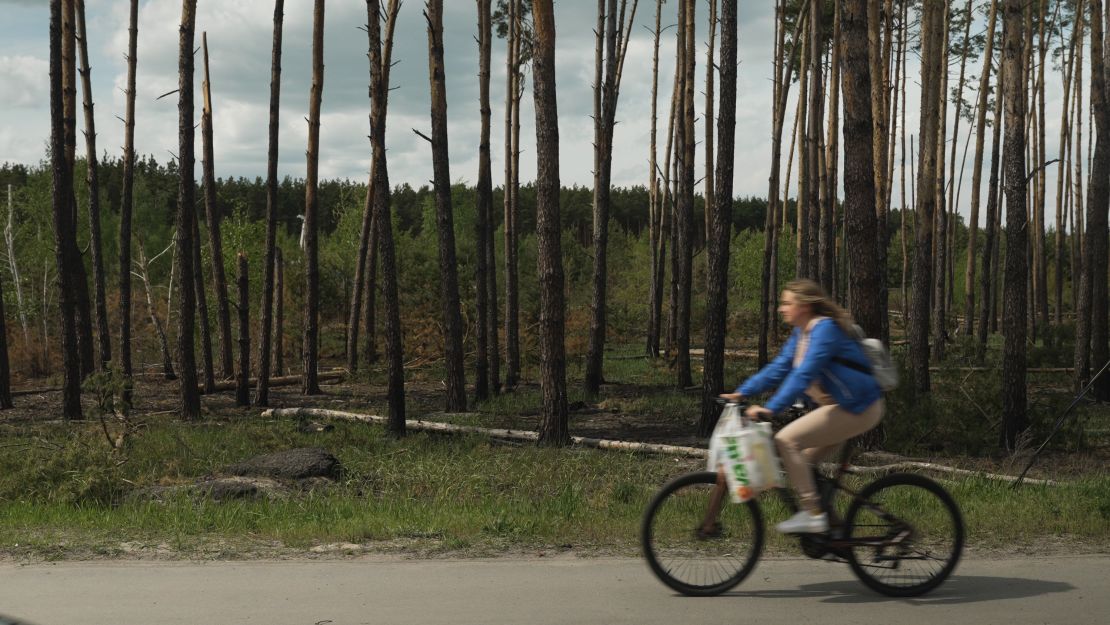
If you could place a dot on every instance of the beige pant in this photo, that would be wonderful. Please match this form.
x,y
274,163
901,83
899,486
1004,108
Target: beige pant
x,y
815,436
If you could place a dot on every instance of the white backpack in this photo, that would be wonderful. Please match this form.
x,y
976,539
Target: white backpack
x,y
879,363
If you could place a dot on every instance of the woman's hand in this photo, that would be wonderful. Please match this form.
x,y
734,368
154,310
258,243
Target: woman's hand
x,y
757,413
732,397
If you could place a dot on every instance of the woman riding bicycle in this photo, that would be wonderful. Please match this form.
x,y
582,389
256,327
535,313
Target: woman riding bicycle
x,y
823,360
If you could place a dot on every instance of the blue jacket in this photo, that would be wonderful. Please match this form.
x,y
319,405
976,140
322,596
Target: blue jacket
x,y
854,390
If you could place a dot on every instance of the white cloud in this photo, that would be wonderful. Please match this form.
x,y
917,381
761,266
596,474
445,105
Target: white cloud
x,y
26,81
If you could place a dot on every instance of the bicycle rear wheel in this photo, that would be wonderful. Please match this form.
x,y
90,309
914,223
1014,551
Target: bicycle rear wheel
x,y
689,564
906,533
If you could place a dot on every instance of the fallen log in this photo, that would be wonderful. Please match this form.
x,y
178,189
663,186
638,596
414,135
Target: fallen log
x,y
601,443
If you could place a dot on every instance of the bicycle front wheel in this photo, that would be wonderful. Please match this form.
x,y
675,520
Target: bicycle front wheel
x,y
700,565
906,535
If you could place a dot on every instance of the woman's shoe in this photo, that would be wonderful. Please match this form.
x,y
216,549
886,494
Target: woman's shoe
x,y
805,523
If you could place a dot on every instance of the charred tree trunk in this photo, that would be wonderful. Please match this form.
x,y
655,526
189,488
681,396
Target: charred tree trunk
x,y
212,214
202,312
279,314
553,421
379,94
76,268
242,378
310,352
932,62
186,192
262,394
484,206
448,267
718,242
127,198
1014,419
104,339
861,221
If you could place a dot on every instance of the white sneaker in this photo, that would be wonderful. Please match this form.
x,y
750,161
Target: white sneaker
x,y
805,523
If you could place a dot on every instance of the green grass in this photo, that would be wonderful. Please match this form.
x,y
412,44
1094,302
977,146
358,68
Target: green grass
x,y
62,496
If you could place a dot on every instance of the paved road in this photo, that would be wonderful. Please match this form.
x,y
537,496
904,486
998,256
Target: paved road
x,y
545,591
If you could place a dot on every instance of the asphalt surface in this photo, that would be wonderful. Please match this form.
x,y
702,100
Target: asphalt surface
x,y
543,591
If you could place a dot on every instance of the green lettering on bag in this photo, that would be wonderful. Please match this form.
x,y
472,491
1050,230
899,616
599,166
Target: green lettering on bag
x,y
739,470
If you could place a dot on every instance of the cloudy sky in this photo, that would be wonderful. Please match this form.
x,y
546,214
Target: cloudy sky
x,y
239,40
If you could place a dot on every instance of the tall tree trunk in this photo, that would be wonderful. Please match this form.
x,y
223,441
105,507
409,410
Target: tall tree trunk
x,y
448,267
953,191
361,277
903,215
202,312
814,117
513,94
655,207
991,243
932,62
1091,330
5,373
14,267
1014,419
829,161
684,225
380,64
279,313
781,89
76,268
1078,205
186,192
861,221
104,339
1040,277
721,231
126,199
212,214
242,378
609,90
493,351
310,352
484,208
1063,171
370,288
940,215
663,215
553,420
710,68
977,172
262,393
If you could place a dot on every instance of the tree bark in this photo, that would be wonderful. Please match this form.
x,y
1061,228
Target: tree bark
x,y
684,250
262,393
242,385
279,314
814,116
380,64
553,420
513,94
861,221
484,232
76,268
710,68
212,214
448,267
977,172
5,373
104,339
991,242
608,91
781,88
1063,171
932,61
940,215
1014,419
202,311
310,350
186,192
127,198
718,243
1091,331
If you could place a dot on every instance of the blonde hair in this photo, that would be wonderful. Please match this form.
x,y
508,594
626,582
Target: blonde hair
x,y
809,292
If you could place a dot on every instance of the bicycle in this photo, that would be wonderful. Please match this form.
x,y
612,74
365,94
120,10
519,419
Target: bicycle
x,y
902,534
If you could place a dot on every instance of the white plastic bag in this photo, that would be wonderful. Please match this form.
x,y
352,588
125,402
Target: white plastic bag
x,y
745,451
